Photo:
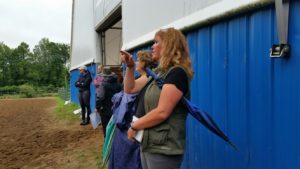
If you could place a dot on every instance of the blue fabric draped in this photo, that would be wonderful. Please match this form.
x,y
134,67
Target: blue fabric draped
x,y
125,154
123,109
203,117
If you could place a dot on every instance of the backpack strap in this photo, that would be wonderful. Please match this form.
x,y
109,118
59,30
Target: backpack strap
x,y
158,80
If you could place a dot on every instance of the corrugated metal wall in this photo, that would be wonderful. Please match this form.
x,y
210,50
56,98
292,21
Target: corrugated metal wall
x,y
255,99
74,74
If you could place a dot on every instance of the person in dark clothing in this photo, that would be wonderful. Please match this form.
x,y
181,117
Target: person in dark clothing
x,y
107,89
83,85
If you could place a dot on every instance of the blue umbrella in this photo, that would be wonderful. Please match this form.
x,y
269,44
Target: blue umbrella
x,y
203,117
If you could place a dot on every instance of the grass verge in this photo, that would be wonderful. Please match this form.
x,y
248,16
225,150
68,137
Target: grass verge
x,y
65,112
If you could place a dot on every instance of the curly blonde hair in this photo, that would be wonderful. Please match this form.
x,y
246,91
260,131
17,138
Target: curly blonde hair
x,y
146,58
174,50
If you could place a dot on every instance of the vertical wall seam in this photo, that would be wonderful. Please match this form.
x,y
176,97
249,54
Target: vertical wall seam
x,y
247,89
271,84
226,127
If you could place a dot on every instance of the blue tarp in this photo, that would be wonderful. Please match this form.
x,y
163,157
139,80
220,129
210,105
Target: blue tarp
x,y
125,154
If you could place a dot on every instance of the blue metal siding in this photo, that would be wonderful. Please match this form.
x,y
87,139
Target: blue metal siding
x,y
236,88
286,100
259,91
253,98
74,74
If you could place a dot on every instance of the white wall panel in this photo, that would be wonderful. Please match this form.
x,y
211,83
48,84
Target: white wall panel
x,y
142,18
84,37
103,8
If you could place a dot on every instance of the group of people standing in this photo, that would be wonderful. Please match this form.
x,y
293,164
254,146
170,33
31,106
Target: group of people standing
x,y
106,84
159,111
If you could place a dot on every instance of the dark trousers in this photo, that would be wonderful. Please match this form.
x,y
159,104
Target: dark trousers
x,y
84,99
104,121
160,161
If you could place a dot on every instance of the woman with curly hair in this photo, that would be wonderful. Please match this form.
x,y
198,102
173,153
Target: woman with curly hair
x,y
125,154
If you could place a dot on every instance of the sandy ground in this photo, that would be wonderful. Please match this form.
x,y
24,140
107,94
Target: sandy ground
x,y
31,137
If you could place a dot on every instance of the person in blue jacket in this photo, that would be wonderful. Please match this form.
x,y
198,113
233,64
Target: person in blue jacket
x,y
83,85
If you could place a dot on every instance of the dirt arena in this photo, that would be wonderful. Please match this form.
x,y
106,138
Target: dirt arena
x,y
32,138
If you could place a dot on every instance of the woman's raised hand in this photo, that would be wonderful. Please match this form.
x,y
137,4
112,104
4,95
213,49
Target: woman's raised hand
x,y
127,58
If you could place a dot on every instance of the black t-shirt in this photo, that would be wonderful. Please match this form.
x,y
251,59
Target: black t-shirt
x,y
179,78
176,76
140,107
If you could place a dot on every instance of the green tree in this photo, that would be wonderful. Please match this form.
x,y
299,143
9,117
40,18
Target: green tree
x,y
51,58
5,53
45,66
19,65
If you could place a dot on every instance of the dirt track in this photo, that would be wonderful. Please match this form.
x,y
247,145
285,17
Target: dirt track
x,y
31,137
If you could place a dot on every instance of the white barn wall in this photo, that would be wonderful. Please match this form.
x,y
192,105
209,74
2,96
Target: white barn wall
x,y
85,41
103,8
142,18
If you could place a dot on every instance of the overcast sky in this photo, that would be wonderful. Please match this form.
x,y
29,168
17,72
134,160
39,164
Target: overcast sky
x,y
31,20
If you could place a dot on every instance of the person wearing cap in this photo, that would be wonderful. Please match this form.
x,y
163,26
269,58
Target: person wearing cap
x,y
83,85
107,89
